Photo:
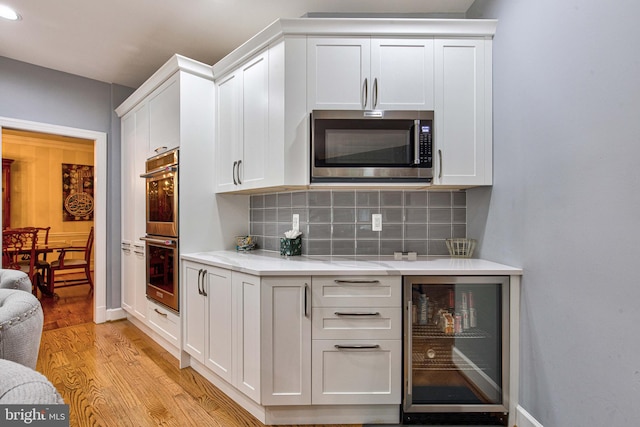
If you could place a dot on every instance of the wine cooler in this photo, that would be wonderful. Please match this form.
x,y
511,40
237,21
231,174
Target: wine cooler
x,y
456,350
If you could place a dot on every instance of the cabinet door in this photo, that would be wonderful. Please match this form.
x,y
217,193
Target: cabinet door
x,y
228,140
338,73
246,334
253,165
402,73
357,372
462,128
220,345
195,310
286,341
164,117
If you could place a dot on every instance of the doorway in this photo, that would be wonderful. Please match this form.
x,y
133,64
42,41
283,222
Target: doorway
x,y
90,141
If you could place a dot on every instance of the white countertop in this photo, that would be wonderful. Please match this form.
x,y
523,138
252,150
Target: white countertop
x,y
267,263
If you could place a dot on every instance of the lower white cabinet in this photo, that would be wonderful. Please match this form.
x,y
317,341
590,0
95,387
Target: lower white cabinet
x,y
356,372
164,321
286,341
222,323
280,342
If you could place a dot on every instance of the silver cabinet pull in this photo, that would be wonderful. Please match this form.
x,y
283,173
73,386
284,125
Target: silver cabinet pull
x,y
199,276
356,282
365,90
204,274
440,164
233,172
357,346
160,149
306,299
375,92
340,313
160,313
239,163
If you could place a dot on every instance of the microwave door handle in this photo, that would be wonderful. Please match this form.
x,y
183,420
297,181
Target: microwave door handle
x,y
416,142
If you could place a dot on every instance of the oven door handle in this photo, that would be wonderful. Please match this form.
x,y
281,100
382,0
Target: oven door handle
x,y
159,172
163,242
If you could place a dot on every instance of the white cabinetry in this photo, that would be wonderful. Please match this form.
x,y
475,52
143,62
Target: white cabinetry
x,y
164,117
286,341
359,73
135,140
222,324
262,126
463,119
357,340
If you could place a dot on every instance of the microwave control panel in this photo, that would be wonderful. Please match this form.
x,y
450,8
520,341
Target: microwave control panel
x,y
426,144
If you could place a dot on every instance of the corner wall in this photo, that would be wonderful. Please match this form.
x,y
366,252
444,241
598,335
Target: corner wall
x,y
564,205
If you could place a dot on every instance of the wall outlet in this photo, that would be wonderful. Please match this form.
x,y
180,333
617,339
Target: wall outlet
x,y
376,222
296,222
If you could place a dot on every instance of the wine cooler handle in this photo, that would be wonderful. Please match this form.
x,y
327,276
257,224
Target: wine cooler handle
x,y
306,299
409,356
357,346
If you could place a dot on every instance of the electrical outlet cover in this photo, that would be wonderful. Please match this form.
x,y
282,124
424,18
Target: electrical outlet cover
x,y
376,222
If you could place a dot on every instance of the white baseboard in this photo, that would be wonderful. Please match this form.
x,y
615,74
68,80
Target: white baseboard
x,y
524,419
115,314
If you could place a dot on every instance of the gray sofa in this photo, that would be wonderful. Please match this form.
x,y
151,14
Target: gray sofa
x,y
21,322
14,279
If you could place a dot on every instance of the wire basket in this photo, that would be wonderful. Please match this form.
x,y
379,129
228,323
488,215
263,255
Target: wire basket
x,y
461,248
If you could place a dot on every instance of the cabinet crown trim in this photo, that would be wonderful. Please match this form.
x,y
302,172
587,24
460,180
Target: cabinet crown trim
x,y
173,65
378,27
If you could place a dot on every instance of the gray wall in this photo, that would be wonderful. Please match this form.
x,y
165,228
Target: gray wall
x,y
37,94
565,204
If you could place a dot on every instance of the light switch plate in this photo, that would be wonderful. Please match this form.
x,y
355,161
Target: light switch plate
x,y
376,222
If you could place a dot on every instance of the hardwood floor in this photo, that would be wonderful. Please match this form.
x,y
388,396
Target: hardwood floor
x,y
70,306
114,375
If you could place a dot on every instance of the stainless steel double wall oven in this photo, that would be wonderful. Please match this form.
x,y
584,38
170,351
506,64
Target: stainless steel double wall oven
x,y
162,228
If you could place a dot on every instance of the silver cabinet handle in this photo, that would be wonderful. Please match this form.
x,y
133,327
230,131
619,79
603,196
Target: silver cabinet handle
x,y
233,172
356,282
306,299
160,313
409,355
375,92
238,169
340,313
160,149
365,90
357,346
440,164
204,274
199,276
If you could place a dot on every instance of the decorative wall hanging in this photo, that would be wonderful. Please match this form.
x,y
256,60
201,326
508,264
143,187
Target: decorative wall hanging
x,y
77,192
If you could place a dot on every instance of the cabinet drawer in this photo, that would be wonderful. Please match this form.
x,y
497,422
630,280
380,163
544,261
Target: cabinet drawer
x,y
357,323
356,372
164,321
356,291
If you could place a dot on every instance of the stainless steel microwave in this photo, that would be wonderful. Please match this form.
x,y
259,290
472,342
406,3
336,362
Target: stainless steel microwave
x,y
371,146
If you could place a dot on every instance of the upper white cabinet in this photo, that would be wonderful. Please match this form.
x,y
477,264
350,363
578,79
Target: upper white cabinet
x,y
364,73
463,112
164,117
261,120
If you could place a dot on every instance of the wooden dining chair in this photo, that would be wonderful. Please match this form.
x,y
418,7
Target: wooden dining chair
x,y
42,266
64,263
19,251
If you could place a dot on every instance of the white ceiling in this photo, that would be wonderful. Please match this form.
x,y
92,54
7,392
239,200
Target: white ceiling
x,y
125,41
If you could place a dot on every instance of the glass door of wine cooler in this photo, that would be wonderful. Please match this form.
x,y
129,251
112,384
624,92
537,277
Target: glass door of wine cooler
x,y
456,361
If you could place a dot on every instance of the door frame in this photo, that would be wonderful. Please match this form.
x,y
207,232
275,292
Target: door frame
x,y
100,209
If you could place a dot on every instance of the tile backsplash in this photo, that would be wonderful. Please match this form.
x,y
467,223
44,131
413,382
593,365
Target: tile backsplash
x,y
338,222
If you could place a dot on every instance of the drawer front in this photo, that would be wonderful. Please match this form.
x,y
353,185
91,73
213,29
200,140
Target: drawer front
x,y
383,323
164,321
356,372
357,291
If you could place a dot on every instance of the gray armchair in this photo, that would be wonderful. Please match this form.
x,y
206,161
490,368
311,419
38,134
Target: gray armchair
x,y
21,321
14,279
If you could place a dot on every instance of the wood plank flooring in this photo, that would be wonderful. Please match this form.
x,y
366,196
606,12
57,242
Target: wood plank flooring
x,y
114,375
